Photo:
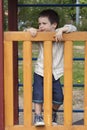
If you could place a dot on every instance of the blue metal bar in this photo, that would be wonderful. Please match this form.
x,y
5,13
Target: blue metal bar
x,y
20,58
78,59
78,85
34,58
20,85
52,5
75,111
74,85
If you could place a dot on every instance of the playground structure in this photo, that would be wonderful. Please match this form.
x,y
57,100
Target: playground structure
x,y
8,117
47,39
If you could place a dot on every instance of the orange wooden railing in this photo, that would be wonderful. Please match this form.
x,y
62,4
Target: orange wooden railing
x,y
47,39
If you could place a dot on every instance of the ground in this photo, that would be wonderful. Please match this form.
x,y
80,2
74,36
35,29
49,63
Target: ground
x,y
78,104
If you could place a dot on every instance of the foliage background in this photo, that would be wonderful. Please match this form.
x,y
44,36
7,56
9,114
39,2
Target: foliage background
x,y
27,16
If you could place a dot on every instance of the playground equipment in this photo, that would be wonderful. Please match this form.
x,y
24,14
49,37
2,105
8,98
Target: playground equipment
x,y
47,39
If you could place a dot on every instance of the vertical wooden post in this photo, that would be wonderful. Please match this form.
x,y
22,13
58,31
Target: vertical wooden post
x,y
48,82
85,88
27,70
68,83
12,26
2,127
8,83
12,15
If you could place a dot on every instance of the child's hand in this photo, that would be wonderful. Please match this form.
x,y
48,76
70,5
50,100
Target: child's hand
x,y
33,31
59,35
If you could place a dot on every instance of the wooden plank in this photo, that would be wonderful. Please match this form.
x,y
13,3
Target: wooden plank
x,y
48,82
8,83
43,36
1,68
68,83
85,87
27,76
15,81
47,128
13,26
12,15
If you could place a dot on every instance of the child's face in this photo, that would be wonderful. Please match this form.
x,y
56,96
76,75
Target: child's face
x,y
45,24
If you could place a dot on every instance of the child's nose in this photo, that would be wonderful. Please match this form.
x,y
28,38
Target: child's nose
x,y
41,27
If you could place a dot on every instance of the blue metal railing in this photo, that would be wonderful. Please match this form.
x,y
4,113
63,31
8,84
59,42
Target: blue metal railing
x,y
74,85
52,5
75,59
75,111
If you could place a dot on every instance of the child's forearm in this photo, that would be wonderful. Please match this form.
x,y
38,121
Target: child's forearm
x,y
64,29
67,28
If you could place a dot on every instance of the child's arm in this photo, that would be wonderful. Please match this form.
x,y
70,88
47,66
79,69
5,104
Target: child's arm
x,y
65,29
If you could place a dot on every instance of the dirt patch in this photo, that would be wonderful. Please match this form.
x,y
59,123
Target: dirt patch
x,y
79,47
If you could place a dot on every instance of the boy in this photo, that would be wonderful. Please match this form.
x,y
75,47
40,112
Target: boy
x,y
48,21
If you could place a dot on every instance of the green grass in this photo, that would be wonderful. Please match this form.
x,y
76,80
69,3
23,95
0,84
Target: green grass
x,y
78,73
78,66
78,43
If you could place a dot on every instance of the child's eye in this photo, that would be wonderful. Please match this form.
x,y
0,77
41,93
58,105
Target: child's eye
x,y
44,23
39,23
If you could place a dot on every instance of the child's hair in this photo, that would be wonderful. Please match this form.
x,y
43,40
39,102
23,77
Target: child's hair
x,y
51,14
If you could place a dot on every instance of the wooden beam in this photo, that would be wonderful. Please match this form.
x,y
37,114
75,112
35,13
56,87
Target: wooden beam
x,y
68,83
48,82
2,127
85,88
44,36
12,26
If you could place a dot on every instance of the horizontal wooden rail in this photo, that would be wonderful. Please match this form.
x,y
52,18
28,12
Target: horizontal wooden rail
x,y
59,127
43,36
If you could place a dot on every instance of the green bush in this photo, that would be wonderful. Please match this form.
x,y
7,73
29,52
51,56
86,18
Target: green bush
x,y
83,27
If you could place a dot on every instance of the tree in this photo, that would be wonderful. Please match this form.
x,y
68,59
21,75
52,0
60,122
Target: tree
x,y
27,16
31,13
5,14
83,15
